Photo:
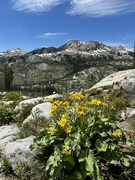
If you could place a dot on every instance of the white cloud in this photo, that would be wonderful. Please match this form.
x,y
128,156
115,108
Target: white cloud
x,y
97,8
90,8
35,6
50,35
115,44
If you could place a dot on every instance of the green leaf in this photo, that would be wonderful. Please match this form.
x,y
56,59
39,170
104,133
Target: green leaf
x,y
92,167
90,162
68,162
77,175
82,156
70,159
103,134
127,159
54,166
129,142
101,146
104,119
83,169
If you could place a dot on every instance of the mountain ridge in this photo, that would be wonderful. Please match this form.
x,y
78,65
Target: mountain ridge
x,y
90,45
74,64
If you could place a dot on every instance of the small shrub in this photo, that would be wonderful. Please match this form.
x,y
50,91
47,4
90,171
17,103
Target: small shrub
x,y
6,114
22,171
8,169
13,95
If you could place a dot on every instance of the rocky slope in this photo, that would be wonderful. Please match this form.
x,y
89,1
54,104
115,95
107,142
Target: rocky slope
x,y
72,66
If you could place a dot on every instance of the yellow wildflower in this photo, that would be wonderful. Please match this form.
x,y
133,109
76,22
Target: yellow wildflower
x,y
117,133
96,102
66,150
62,122
66,104
53,109
77,96
68,128
80,110
58,102
49,100
51,131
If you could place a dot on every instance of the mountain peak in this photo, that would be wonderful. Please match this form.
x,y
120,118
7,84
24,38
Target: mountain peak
x,y
13,52
75,45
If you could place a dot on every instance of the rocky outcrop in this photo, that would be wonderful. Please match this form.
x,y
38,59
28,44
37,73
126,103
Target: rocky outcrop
x,y
124,80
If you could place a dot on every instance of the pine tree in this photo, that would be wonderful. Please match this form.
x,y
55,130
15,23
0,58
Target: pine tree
x,y
7,77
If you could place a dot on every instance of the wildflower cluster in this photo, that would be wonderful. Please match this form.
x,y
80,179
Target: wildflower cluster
x,y
80,138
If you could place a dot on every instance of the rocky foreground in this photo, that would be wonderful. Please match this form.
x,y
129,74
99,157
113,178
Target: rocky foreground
x,y
16,149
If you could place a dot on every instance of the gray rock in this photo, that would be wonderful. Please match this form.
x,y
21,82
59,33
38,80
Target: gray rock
x,y
19,151
8,134
27,102
131,115
54,96
39,111
124,80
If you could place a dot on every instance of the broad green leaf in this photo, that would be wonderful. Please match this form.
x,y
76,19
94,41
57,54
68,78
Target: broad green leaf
x,y
103,134
82,156
127,159
83,168
53,160
90,162
92,167
77,175
70,159
101,146
68,162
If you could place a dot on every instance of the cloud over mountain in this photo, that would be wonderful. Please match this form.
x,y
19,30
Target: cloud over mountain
x,y
50,35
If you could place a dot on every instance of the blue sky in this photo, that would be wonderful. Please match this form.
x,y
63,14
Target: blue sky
x,y
31,24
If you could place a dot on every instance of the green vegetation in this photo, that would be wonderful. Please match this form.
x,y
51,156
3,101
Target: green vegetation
x,y
8,169
7,77
13,95
82,140
6,114
21,172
